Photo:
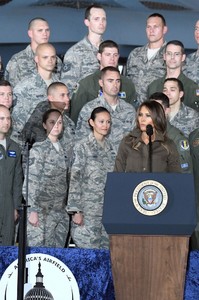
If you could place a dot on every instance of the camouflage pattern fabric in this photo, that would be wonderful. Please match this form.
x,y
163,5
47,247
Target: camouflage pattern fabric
x,y
143,71
22,65
91,162
47,186
79,61
186,120
122,120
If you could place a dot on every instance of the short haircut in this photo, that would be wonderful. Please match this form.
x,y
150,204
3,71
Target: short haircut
x,y
5,83
44,45
54,85
159,96
179,83
31,23
108,44
159,16
109,68
88,10
176,43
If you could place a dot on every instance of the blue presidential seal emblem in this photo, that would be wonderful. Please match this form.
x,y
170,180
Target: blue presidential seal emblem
x,y
150,197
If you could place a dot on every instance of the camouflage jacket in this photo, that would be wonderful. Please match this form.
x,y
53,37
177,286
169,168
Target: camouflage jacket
x,y
89,89
122,119
91,162
186,119
22,65
143,71
27,95
47,182
79,61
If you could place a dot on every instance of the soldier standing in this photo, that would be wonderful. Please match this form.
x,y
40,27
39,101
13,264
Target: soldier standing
x,y
122,113
22,64
48,221
146,63
93,157
81,59
10,180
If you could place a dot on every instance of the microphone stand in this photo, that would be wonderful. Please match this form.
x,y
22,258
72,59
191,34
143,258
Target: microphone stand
x,y
23,233
149,131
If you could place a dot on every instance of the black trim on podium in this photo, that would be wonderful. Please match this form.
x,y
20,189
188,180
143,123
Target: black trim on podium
x,y
121,217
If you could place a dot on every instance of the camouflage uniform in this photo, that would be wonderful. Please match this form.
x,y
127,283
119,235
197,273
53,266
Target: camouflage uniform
x,y
191,67
91,162
122,119
89,89
22,65
79,61
34,130
27,95
143,71
47,186
194,148
186,119
182,144
191,96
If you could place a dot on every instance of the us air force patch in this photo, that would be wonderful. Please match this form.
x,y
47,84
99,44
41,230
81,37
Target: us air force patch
x,y
184,145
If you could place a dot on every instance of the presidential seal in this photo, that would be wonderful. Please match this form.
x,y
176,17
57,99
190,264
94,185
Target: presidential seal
x,y
150,197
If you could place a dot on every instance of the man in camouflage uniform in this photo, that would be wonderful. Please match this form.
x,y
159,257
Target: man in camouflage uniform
x,y
22,64
81,59
185,118
191,68
194,146
122,113
146,63
58,98
89,88
182,143
32,90
174,57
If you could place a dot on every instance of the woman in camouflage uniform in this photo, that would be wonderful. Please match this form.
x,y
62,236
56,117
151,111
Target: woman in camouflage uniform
x,y
48,221
93,158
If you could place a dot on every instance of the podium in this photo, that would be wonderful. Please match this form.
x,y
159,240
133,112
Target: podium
x,y
149,252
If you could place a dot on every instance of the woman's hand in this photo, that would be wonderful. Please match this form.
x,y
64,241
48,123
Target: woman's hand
x,y
34,219
78,218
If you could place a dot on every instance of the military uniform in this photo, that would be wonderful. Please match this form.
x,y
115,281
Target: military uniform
x,y
182,144
186,119
10,190
143,71
91,162
122,119
35,132
194,146
89,89
22,65
79,61
27,95
191,67
47,186
191,95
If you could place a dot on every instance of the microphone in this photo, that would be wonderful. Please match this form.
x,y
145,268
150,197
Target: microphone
x,y
149,130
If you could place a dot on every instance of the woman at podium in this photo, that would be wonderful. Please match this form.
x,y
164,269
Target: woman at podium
x,y
147,148
94,156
